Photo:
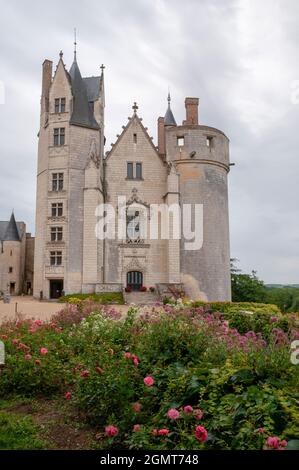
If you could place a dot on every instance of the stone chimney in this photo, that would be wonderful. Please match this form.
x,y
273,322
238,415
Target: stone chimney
x,y
46,83
191,105
161,136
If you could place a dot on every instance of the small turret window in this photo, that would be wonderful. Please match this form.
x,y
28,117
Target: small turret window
x,y
10,269
209,141
180,141
135,138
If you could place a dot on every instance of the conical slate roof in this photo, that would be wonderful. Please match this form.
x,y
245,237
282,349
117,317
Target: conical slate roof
x,y
82,109
169,117
12,232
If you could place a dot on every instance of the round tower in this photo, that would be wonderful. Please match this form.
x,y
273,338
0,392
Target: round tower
x,y
201,157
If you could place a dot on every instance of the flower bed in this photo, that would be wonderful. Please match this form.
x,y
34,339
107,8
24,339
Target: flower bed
x,y
169,378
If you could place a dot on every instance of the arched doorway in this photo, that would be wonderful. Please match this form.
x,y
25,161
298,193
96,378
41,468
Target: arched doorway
x,y
134,280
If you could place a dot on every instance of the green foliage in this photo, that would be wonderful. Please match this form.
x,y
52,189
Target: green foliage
x,y
287,298
103,298
217,362
246,287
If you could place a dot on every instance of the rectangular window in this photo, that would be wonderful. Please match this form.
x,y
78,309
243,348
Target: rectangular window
x,y
57,209
10,270
181,141
130,170
209,141
139,171
56,234
56,258
59,136
59,105
62,105
135,138
57,181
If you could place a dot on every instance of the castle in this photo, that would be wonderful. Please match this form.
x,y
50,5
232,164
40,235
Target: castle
x,y
188,166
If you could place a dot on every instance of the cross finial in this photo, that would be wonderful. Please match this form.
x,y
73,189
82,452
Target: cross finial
x,y
135,107
102,68
75,44
168,98
60,54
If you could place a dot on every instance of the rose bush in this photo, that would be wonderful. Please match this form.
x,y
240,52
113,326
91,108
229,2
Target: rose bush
x,y
168,377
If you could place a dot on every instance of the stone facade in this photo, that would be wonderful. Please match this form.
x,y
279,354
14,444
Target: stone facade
x,y
75,178
16,258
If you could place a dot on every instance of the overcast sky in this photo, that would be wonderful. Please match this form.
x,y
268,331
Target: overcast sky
x,y
240,57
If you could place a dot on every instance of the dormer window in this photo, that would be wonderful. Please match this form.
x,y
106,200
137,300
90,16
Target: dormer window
x,y
59,105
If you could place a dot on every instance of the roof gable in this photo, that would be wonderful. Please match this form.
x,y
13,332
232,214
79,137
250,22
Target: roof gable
x,y
134,119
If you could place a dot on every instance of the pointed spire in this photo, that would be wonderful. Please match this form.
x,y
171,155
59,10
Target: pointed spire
x,y
75,45
169,117
12,232
61,55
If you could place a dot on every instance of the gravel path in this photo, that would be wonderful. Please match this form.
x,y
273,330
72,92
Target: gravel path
x,y
28,307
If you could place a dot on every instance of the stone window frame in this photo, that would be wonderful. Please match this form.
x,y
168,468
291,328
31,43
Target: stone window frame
x,y
56,233
55,258
57,209
134,171
58,182
59,105
58,136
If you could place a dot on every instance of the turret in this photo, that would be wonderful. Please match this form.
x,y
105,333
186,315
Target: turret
x,y
201,156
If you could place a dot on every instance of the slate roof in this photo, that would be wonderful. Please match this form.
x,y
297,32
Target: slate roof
x,y
83,92
10,231
169,117
93,87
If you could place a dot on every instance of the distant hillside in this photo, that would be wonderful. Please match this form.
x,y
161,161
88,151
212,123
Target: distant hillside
x,y
280,286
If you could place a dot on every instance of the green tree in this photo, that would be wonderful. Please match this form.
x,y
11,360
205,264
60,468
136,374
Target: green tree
x,y
246,287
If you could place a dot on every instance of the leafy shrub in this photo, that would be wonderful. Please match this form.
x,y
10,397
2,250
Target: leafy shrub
x,y
103,298
170,377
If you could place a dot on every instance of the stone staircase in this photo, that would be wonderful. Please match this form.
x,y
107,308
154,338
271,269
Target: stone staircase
x,y
141,298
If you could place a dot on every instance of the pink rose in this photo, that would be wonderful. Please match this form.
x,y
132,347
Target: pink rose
x,y
163,432
27,357
15,341
148,381
68,395
38,322
261,430
198,414
136,428
173,414
136,407
274,443
111,430
43,351
201,433
135,360
127,355
84,373
188,409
